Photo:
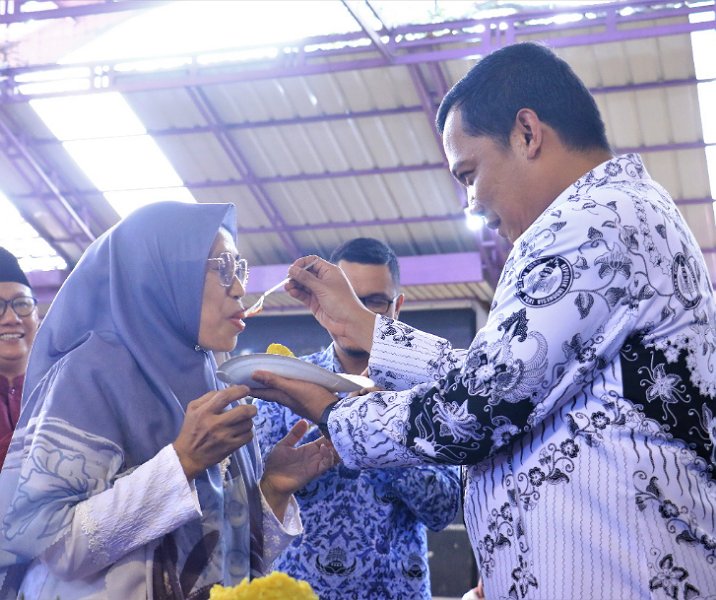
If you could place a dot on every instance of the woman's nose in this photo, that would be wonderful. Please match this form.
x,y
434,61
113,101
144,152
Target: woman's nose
x,y
237,289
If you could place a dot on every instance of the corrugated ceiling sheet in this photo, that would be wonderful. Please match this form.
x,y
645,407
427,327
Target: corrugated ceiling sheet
x,y
300,172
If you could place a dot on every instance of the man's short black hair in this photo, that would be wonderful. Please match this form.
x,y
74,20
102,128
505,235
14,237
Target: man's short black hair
x,y
368,251
525,75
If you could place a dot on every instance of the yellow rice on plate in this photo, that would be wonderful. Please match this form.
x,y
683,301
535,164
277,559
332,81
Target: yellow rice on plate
x,y
274,586
279,349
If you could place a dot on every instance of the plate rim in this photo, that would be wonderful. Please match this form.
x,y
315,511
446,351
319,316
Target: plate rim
x,y
257,356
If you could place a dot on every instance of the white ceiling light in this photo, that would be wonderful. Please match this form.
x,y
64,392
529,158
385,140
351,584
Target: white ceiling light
x,y
473,221
20,238
703,44
107,140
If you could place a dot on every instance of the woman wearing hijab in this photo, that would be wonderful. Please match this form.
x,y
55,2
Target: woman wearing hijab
x,y
133,473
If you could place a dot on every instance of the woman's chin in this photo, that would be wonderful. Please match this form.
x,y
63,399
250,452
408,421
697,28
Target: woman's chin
x,y
225,344
230,344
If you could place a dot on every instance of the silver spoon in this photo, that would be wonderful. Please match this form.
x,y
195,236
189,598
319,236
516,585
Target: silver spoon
x,y
258,306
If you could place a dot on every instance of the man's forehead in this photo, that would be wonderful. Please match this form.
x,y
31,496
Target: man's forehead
x,y
366,273
11,289
455,139
361,266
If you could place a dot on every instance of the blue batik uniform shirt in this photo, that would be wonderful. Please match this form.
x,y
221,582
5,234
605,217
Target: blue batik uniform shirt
x,y
364,530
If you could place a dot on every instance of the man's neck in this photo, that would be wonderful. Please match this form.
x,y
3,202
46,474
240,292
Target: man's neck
x,y
10,378
11,371
352,365
567,166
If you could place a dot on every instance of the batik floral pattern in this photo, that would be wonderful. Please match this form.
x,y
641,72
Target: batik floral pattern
x,y
678,519
65,468
365,530
598,355
672,580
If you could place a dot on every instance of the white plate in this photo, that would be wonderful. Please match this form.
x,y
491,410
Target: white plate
x,y
238,370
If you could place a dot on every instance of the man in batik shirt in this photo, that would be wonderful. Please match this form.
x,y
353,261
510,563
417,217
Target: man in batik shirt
x,y
364,530
584,408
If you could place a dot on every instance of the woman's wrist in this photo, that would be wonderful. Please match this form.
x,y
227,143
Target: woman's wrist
x,y
278,501
190,468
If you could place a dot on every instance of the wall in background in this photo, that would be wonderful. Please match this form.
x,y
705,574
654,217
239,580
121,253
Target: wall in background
x,y
303,335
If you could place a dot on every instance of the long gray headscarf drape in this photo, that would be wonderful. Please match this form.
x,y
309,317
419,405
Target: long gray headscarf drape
x,y
114,365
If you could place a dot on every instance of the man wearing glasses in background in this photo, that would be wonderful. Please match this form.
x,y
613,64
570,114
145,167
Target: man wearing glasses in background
x,y
18,325
364,531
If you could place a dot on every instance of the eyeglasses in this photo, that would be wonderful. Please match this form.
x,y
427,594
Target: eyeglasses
x,y
230,266
378,304
22,306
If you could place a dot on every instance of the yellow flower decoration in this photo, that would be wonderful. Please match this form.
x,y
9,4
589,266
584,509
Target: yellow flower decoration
x,y
279,349
275,586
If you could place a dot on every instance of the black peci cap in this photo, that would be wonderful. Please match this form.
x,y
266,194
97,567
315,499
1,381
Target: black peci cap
x,y
10,269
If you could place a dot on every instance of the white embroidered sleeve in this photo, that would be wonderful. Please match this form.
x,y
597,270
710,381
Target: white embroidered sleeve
x,y
561,313
403,357
278,535
142,506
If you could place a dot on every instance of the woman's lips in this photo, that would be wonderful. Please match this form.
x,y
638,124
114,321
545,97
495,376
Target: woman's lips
x,y
237,320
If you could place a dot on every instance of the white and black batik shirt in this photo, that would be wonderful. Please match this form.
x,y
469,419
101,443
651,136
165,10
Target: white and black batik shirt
x,y
583,409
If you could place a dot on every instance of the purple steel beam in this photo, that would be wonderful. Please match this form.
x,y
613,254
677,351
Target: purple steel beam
x,y
353,224
24,152
454,218
694,201
45,284
359,114
492,248
649,85
386,112
505,29
82,10
37,226
437,269
431,269
370,32
665,147
428,102
237,159
658,10
488,256
339,174
635,34
374,171
373,10
406,168
288,66
16,150
411,220
170,131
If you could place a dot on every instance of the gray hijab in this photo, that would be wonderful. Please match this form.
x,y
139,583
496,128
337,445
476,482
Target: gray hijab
x,y
115,363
